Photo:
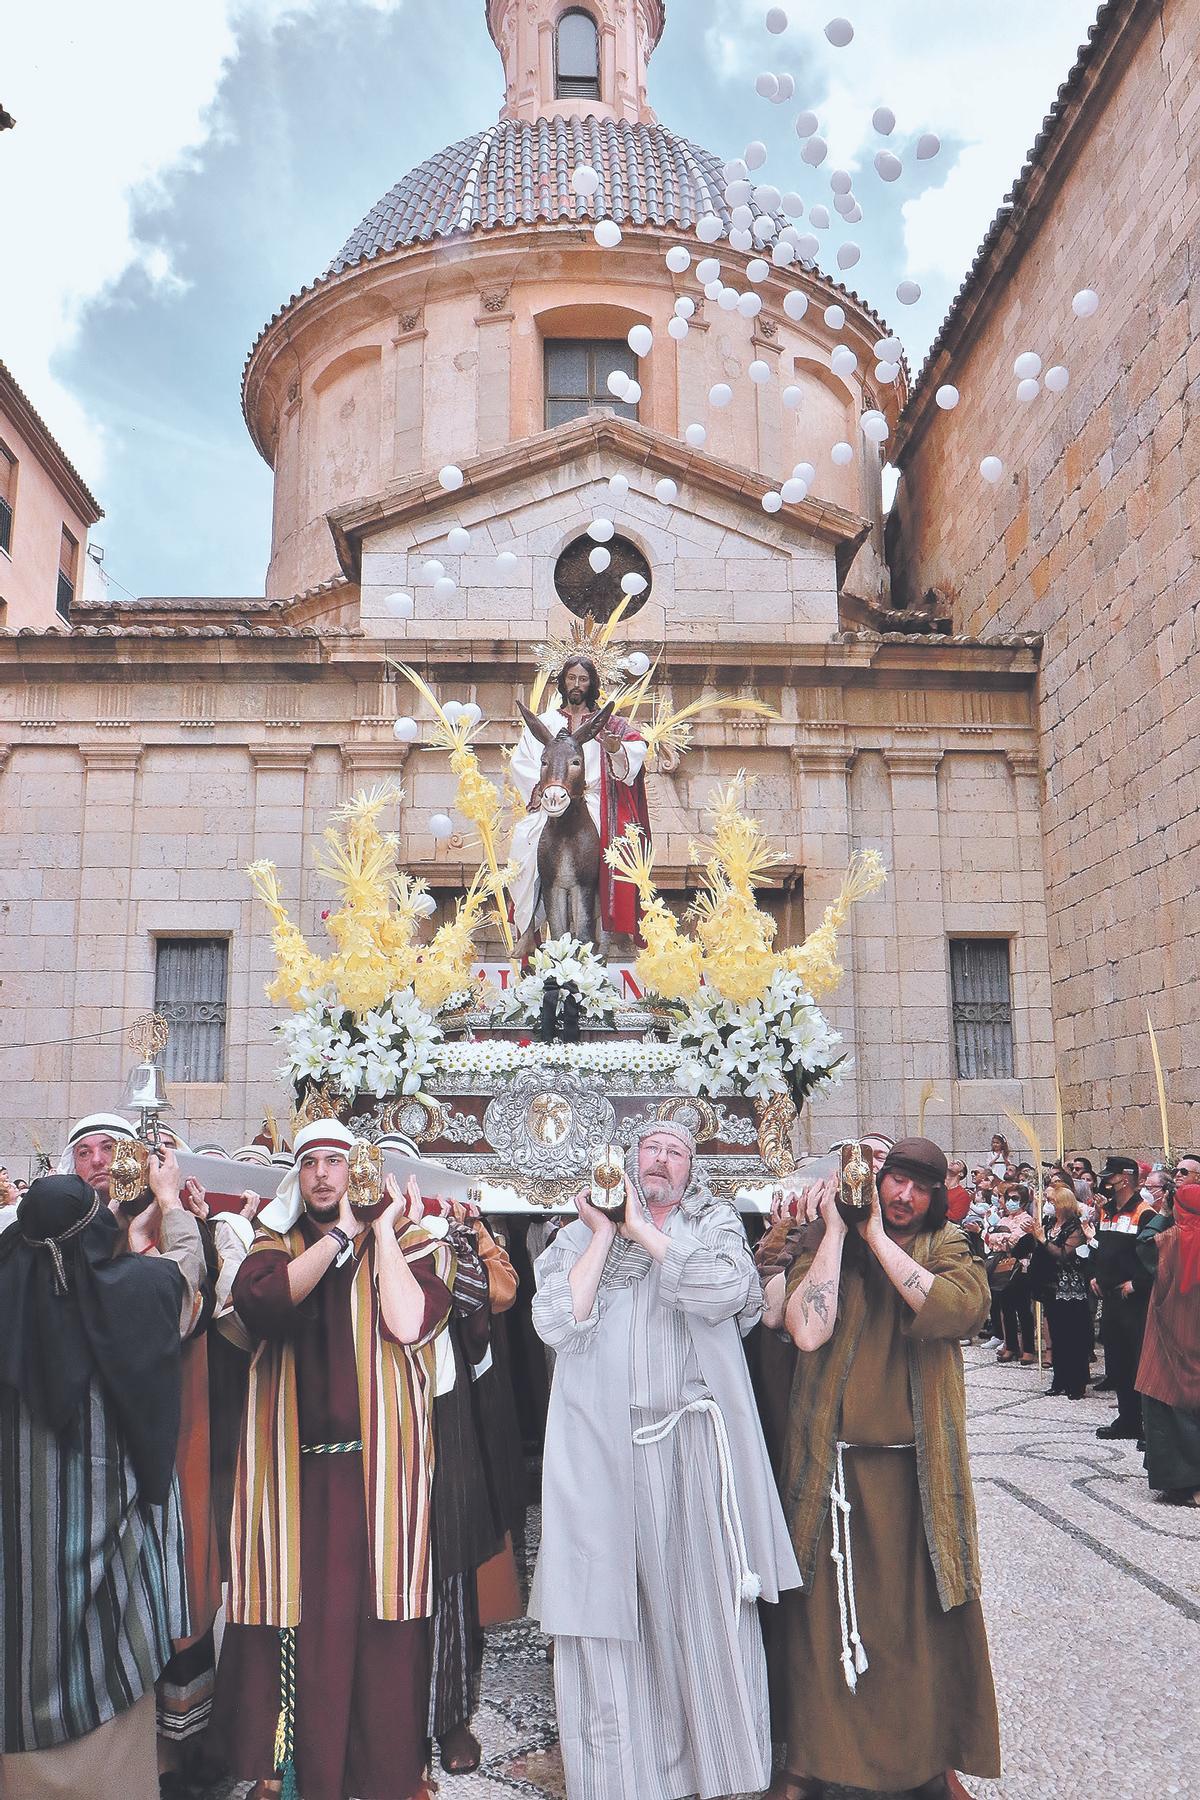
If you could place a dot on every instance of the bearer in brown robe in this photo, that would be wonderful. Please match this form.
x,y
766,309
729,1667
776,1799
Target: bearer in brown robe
x,y
889,1679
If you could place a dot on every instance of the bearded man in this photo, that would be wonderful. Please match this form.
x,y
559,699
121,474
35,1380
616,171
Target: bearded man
x,y
615,790
324,1675
661,1524
890,1692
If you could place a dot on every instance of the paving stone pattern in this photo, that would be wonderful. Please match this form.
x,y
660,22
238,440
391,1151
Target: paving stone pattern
x,y
1092,1594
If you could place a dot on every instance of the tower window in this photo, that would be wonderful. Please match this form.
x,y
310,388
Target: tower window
x,y
577,58
577,372
981,1002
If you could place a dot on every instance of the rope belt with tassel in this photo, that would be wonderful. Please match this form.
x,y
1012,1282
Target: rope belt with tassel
x,y
854,1655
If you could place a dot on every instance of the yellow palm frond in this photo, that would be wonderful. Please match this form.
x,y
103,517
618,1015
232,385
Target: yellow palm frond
x,y
1162,1090
929,1097
672,730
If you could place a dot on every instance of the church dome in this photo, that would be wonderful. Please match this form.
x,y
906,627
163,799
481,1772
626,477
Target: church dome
x,y
518,172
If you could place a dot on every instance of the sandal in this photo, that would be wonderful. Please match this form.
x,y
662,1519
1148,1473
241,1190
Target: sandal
x,y
1028,1358
461,1750
1005,1356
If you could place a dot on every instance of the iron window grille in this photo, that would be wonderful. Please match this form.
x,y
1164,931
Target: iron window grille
x,y
981,1004
190,985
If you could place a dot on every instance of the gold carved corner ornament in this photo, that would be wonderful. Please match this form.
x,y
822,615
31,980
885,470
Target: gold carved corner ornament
x,y
777,1119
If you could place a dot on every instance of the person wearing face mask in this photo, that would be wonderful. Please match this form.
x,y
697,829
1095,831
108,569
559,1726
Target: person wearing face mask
x,y
1123,1287
1011,1244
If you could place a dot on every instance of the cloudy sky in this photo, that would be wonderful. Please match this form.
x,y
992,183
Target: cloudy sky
x,y
177,171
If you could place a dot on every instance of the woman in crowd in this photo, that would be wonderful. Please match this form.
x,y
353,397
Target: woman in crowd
x,y
1169,1371
1010,1246
1066,1250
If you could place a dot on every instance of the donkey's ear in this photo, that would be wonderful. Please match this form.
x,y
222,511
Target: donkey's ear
x,y
596,724
541,732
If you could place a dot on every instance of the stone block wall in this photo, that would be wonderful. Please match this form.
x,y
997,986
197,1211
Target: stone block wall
x,y
1092,538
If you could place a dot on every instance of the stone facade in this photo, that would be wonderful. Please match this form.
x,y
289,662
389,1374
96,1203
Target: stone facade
x,y
43,498
1091,540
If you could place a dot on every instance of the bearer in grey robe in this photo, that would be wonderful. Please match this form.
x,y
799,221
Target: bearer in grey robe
x,y
661,1523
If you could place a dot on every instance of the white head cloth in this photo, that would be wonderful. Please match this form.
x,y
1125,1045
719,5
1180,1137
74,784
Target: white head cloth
x,y
330,1135
94,1125
253,1153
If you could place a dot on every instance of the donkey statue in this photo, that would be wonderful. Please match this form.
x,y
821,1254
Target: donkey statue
x,y
568,854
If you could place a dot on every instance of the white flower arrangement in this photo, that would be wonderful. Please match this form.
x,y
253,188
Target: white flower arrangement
x,y
577,969
780,1043
387,1051
496,1056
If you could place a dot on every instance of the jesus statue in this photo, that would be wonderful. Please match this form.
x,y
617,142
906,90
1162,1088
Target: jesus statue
x,y
614,793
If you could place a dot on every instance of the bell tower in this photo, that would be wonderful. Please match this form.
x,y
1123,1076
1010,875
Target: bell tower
x,y
569,58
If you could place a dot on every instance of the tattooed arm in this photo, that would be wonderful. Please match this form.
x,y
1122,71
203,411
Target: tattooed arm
x,y
811,1311
909,1279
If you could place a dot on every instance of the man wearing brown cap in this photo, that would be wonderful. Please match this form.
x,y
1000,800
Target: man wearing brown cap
x,y
889,1679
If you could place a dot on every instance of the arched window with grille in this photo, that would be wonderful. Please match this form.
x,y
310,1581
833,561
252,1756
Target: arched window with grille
x,y
577,57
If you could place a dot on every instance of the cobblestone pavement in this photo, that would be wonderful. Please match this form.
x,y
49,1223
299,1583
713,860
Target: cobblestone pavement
x,y
1092,1596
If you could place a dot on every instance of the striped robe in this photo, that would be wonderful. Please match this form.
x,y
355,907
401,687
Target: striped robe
x,y
91,1578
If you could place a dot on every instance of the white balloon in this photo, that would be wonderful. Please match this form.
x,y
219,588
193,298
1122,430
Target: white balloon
x,y
840,181
839,32
677,328
842,454
405,730
818,218
607,234
854,216
708,269
637,662
600,530
450,478
834,317
618,486
714,289
764,229
1028,390
678,259
874,426
444,587
709,228
398,606
806,124
727,299
640,339
887,166
886,371
425,906
783,254
767,86
884,120
793,491
947,397
842,360
908,292
814,152
738,192
506,562
432,568
843,204
807,247
633,393
928,144
735,170
772,502
441,826
848,254
1057,379
791,397
1027,364
787,88
666,490
755,155
791,204
616,383
453,710
1085,303
991,468
757,269
472,713
759,371
585,181
742,217
741,241
685,306
776,20
888,349
795,304
720,394
749,305
805,472
599,559
458,540
696,437
634,584
767,197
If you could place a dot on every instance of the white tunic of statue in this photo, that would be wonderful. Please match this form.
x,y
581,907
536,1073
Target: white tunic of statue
x,y
659,1673
526,768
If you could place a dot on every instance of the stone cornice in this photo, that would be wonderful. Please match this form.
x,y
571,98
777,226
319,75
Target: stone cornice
x,y
914,760
279,756
111,756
